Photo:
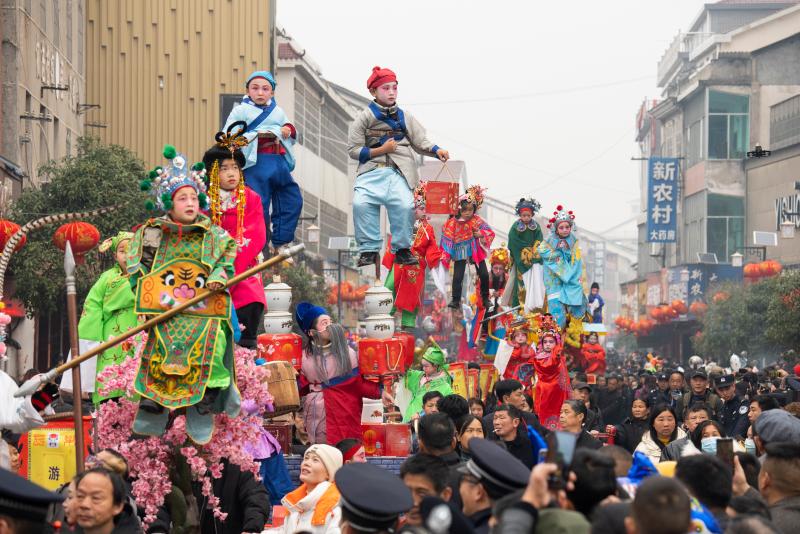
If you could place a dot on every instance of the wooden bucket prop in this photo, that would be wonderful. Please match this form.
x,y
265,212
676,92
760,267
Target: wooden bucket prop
x,y
283,387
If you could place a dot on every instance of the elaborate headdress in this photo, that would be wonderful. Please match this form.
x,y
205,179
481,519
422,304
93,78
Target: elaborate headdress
x,y
229,146
561,215
419,194
113,242
528,204
547,326
500,256
473,195
162,182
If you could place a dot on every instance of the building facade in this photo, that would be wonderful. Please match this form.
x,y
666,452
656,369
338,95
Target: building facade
x,y
156,70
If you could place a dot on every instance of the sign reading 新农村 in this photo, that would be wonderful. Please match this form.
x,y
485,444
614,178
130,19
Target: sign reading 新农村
x,y
662,199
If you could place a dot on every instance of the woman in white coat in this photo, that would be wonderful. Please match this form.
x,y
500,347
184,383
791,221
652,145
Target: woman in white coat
x,y
314,506
663,430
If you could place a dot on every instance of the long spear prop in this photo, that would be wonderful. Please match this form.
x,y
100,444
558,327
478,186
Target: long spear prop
x,y
29,387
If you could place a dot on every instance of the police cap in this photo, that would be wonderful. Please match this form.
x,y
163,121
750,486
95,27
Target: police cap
x,y
495,467
23,499
372,498
725,381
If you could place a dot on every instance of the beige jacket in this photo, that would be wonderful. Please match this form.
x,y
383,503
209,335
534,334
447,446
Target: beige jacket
x,y
365,133
651,448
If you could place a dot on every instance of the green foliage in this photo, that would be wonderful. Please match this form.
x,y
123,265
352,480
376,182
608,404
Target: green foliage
x,y
783,312
98,176
755,318
306,286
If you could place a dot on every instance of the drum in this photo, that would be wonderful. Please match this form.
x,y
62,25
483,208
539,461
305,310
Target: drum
x,y
281,347
282,384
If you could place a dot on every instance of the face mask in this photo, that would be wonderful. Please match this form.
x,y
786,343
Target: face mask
x,y
709,445
750,446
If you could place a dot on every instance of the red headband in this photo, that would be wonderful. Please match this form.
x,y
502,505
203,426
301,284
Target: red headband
x,y
347,456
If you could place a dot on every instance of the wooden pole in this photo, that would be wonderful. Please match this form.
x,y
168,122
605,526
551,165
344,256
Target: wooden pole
x,y
29,387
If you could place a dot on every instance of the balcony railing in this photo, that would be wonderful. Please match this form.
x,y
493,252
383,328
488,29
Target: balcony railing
x,y
784,123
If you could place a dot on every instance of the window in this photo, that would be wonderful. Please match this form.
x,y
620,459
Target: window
x,y
728,125
784,123
725,225
321,128
694,140
332,142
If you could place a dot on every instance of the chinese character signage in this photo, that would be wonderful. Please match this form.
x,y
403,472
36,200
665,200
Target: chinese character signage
x,y
702,278
48,452
662,199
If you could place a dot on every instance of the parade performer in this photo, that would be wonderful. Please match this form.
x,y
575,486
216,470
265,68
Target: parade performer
x,y
108,310
187,361
408,281
383,139
552,379
596,303
498,279
269,156
432,377
593,356
520,365
330,380
563,269
467,238
237,208
526,283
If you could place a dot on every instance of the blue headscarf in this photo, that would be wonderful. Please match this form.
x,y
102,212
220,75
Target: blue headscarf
x,y
267,75
306,313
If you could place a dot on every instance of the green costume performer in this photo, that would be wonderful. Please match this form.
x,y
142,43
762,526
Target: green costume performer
x,y
418,383
108,312
525,283
187,361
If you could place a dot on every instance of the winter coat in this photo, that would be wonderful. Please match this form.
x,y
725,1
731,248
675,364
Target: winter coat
x,y
630,432
587,441
786,514
317,512
653,448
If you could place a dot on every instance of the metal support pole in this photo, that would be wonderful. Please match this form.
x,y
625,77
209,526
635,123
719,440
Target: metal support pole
x,y
339,285
72,316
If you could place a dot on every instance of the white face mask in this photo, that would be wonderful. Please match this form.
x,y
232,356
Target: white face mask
x,y
709,445
750,446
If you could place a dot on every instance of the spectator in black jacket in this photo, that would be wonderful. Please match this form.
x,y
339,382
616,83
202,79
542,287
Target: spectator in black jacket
x,y
594,417
630,432
509,431
509,392
241,496
613,403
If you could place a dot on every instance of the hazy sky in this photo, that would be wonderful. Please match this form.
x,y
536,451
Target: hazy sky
x,y
538,98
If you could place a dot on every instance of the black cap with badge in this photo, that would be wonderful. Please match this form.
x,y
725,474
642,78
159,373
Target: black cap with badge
x,y
372,498
725,381
496,468
23,499
698,373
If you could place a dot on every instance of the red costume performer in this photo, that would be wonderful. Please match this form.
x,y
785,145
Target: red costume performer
x,y
593,358
552,379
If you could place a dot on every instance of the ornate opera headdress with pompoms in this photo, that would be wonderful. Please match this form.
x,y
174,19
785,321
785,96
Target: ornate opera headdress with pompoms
x,y
229,146
473,195
561,215
162,182
500,256
546,326
419,194
530,204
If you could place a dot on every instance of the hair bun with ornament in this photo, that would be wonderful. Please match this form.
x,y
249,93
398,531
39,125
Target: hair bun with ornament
x,y
473,195
163,182
561,215
500,256
528,204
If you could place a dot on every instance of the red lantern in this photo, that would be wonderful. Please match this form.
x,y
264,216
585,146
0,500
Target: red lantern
x,y
776,266
751,270
765,268
8,229
82,237
720,296
667,312
679,306
698,308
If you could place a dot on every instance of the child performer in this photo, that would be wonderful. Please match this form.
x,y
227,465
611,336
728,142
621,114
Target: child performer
x,y
596,303
108,311
519,367
237,208
593,356
498,278
269,160
408,281
382,138
432,377
187,361
552,379
563,269
526,282
467,238
332,388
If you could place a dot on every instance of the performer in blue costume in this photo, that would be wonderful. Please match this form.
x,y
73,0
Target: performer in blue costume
x,y
269,160
382,138
563,268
